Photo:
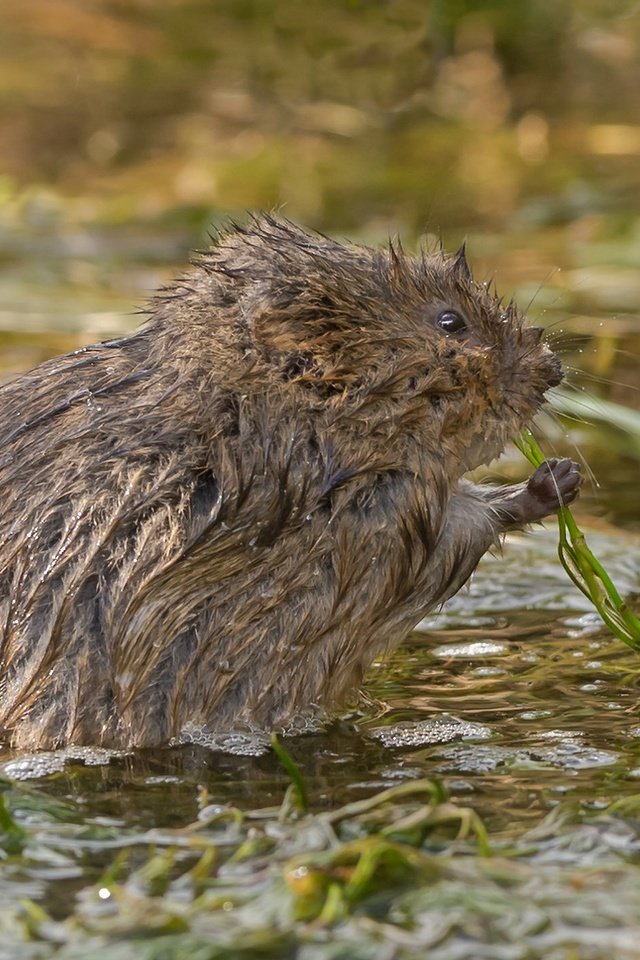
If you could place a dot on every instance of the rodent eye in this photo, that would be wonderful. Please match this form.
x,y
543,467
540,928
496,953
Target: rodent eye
x,y
451,322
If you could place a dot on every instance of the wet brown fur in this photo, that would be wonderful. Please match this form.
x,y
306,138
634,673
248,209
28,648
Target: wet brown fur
x,y
223,518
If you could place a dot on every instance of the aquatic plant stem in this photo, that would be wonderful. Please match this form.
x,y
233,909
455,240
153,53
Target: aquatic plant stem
x,y
582,567
301,798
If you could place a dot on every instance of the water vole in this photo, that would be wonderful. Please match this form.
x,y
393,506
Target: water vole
x,y
223,518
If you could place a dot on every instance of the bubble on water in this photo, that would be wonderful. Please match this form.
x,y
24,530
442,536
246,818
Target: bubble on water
x,y
441,729
535,714
239,743
476,648
34,766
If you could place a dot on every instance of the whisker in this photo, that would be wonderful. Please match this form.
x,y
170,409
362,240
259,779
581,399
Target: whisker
x,y
563,338
607,381
555,323
628,354
540,287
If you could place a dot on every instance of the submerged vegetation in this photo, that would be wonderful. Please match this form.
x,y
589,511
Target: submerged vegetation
x,y
404,871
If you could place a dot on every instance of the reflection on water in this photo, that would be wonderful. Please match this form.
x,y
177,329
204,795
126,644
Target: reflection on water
x,y
545,699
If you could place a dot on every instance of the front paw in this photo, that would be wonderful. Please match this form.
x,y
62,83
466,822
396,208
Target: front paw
x,y
555,484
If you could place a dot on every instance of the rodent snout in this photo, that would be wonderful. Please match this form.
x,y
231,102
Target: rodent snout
x,y
553,371
556,372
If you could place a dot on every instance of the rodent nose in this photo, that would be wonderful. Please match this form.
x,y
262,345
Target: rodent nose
x,y
557,373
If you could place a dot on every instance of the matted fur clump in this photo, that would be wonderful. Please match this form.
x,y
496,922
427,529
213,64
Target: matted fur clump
x,y
222,519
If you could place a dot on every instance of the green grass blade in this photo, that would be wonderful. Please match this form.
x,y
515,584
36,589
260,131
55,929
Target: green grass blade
x,y
583,568
295,774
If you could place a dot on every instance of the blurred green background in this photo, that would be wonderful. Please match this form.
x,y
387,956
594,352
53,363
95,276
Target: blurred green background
x,y
128,127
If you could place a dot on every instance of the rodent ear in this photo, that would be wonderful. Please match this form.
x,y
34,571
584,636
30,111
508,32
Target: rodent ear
x,y
308,322
275,332
305,349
